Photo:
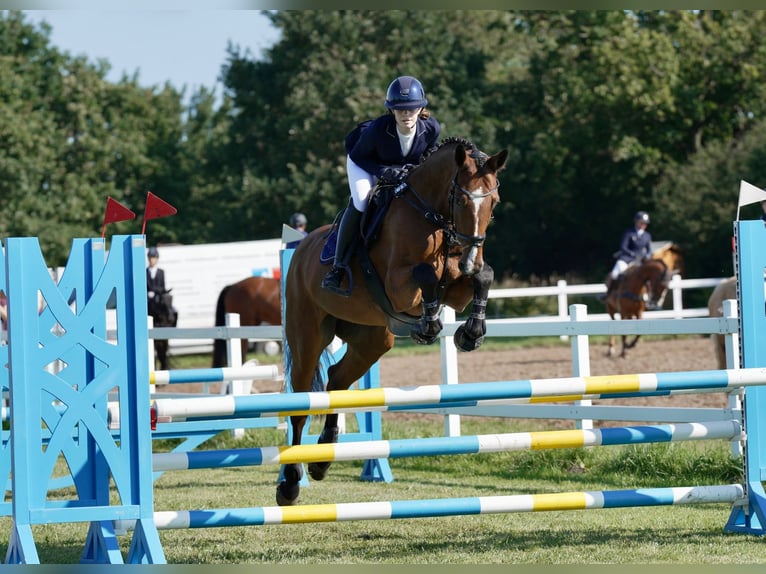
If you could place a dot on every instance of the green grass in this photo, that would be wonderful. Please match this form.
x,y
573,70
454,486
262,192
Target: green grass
x,y
667,535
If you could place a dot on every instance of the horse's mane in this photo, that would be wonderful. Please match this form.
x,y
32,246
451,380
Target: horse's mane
x,y
474,153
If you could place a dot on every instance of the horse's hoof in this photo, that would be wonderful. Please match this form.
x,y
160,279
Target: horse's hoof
x,y
465,343
318,470
287,495
422,339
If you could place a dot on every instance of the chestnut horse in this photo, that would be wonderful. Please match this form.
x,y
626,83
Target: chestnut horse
x,y
640,287
727,289
428,253
256,300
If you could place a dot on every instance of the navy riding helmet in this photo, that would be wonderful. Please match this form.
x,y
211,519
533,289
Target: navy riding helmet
x,y
405,93
641,216
297,219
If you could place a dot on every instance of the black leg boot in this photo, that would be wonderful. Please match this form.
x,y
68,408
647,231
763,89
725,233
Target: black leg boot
x,y
348,230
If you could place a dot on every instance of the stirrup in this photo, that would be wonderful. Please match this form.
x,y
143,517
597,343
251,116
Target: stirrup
x,y
333,279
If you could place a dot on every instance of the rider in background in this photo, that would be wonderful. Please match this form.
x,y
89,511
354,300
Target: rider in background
x,y
155,277
635,247
298,222
383,148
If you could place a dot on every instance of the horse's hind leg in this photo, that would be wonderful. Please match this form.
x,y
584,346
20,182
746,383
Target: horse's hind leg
x,y
470,335
305,345
363,348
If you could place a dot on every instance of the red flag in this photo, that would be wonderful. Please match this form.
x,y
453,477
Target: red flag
x,y
156,207
115,212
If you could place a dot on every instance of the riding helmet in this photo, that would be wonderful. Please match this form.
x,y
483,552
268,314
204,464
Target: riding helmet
x,y
152,252
641,216
297,219
405,93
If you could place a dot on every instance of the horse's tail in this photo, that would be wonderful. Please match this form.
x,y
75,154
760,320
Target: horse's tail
x,y
219,345
317,383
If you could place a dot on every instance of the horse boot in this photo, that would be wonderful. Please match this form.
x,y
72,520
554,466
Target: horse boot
x,y
348,228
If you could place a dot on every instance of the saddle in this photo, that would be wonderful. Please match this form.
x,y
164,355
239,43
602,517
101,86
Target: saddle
x,y
380,200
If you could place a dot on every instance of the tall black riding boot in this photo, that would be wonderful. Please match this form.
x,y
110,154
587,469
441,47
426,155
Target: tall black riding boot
x,y
348,229
609,286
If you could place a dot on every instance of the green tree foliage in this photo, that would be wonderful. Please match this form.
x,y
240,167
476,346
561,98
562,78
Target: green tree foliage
x,y
603,113
69,139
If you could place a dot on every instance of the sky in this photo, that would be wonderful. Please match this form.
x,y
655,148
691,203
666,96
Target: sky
x,y
184,47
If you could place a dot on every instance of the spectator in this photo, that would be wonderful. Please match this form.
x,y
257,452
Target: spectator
x,y
298,222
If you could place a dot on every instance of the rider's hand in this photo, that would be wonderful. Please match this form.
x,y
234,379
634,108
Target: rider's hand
x,y
393,174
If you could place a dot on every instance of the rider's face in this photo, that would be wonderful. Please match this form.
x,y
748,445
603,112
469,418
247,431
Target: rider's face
x,y
407,119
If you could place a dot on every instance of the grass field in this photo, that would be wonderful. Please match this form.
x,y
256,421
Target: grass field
x,y
657,535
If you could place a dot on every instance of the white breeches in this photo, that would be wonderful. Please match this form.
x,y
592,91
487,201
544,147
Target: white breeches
x,y
360,182
619,267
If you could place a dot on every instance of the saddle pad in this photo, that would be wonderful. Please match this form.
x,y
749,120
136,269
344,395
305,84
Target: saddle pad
x,y
327,255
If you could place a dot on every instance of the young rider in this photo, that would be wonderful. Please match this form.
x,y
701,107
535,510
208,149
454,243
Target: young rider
x,y
380,149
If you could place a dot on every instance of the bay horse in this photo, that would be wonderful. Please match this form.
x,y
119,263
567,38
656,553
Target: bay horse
x,y
727,289
640,287
161,310
256,300
428,253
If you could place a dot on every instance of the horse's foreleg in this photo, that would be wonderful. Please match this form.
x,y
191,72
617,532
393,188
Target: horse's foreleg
x,y
329,435
289,489
633,342
430,325
470,335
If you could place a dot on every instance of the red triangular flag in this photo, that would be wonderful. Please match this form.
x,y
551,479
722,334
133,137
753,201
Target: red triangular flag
x,y
156,207
115,212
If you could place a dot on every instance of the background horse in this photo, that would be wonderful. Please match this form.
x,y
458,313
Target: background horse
x,y
727,289
672,256
256,300
640,286
161,309
428,253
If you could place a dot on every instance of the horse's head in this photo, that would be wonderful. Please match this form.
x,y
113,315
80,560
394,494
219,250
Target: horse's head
x,y
472,198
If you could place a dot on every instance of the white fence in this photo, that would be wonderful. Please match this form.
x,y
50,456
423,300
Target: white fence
x,y
192,339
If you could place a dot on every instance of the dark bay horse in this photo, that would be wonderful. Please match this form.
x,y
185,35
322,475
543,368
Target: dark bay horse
x,y
161,310
428,253
256,300
640,287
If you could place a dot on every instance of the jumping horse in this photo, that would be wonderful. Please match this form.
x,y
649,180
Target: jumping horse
x,y
427,253
161,310
640,287
256,300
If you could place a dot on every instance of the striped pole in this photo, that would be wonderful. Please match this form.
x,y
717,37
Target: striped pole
x,y
365,450
341,512
546,390
215,375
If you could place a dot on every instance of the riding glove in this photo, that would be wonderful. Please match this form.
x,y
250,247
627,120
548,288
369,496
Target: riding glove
x,y
393,174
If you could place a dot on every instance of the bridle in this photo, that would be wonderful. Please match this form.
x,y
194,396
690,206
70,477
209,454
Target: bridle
x,y
453,236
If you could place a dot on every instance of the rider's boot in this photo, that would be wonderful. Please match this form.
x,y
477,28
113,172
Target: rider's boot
x,y
347,232
609,286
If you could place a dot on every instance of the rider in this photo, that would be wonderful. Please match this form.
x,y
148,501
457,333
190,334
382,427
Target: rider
x,y
155,277
382,148
635,246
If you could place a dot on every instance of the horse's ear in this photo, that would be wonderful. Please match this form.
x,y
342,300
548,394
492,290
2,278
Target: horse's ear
x,y
460,156
497,161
